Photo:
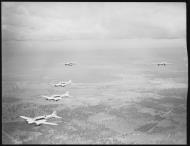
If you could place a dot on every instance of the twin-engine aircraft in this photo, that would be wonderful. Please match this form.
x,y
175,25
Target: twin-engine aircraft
x,y
41,119
63,84
57,97
162,63
69,64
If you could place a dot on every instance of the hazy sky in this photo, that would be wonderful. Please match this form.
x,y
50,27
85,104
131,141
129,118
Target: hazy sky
x,y
61,20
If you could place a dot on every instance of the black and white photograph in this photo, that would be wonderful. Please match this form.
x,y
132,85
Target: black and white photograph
x,y
94,72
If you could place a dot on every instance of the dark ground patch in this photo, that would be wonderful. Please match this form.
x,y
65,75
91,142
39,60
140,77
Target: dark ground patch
x,y
165,75
152,103
174,92
81,113
131,112
179,110
158,118
159,104
10,127
146,127
159,129
171,100
9,99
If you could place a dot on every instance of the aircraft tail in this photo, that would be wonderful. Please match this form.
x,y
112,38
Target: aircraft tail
x,y
54,114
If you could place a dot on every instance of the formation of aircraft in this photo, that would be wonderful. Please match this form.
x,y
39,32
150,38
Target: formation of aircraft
x,y
63,84
41,119
57,97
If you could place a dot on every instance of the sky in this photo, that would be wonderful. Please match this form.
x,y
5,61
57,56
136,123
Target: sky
x,y
92,20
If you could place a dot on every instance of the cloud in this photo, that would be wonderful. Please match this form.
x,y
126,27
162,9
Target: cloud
x,y
35,20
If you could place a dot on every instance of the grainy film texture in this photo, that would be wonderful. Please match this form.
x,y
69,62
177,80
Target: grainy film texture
x,y
94,73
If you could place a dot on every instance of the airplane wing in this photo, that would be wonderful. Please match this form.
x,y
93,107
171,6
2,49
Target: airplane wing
x,y
49,123
26,118
52,84
44,96
56,95
57,117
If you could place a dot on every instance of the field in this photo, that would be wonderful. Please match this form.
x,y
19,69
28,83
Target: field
x,y
118,96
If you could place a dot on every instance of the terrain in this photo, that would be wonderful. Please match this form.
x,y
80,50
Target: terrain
x,y
116,97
